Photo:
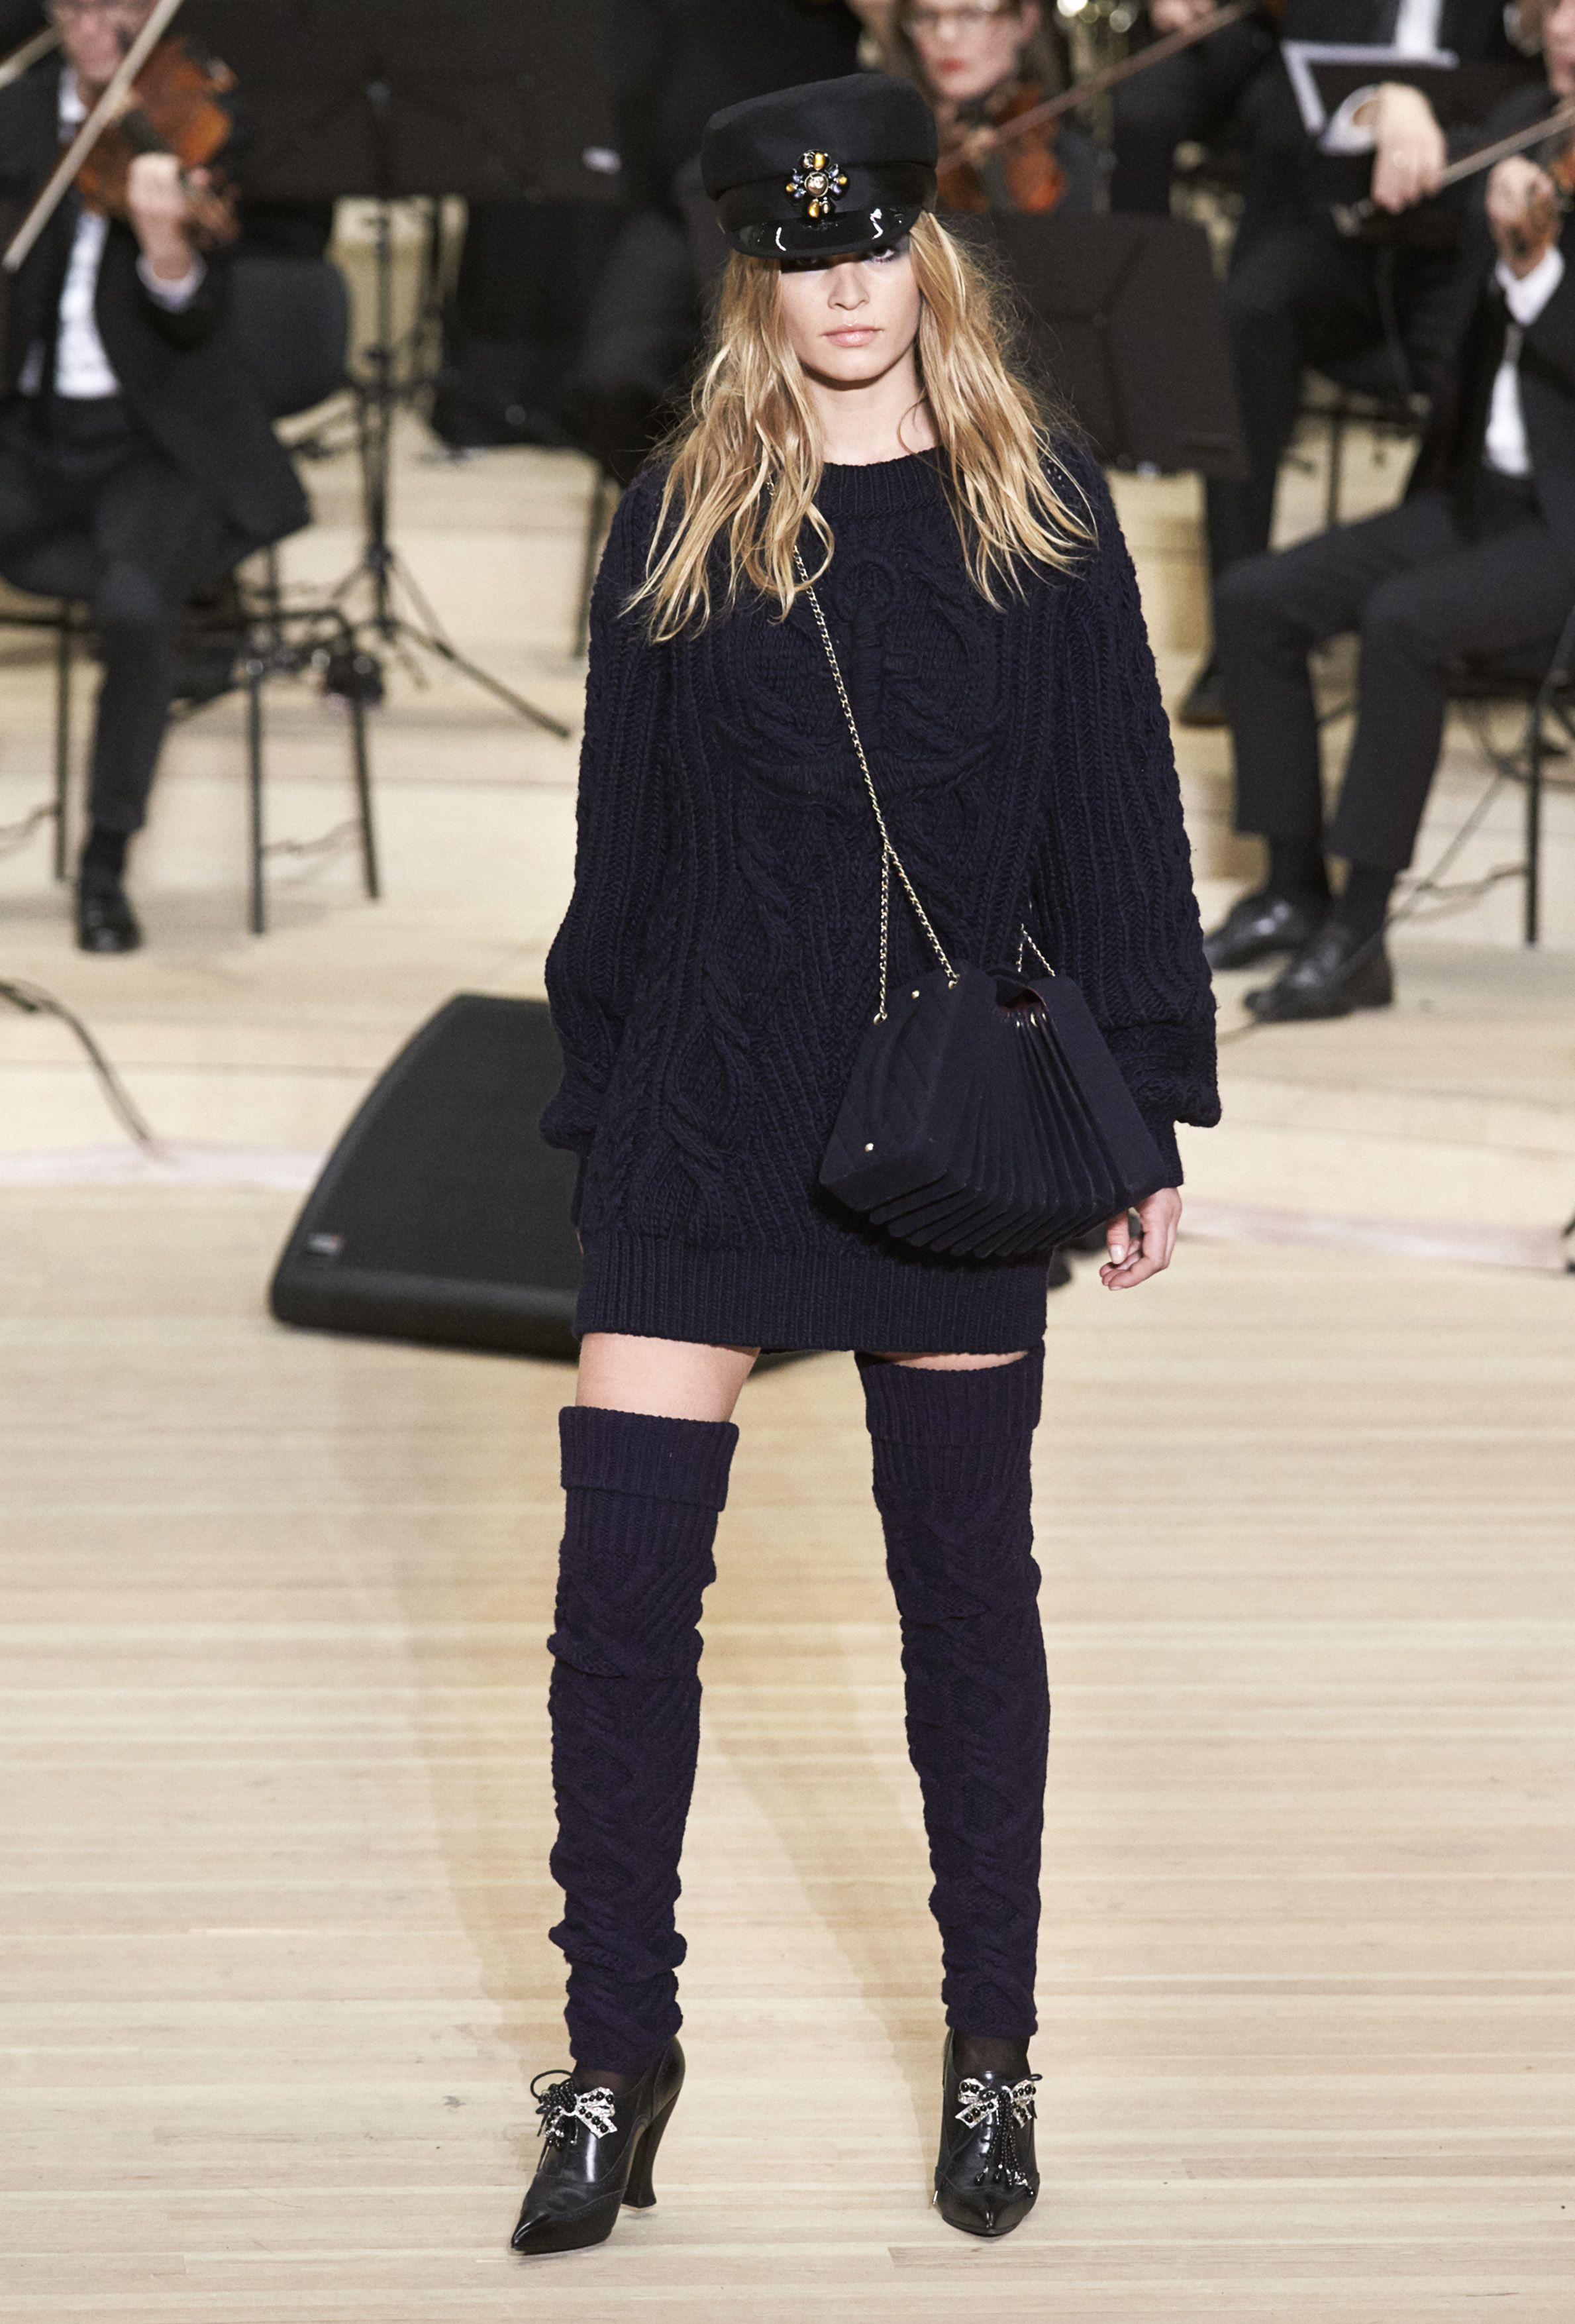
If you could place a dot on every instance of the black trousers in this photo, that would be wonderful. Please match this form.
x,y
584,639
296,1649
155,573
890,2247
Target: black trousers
x,y
94,496
1190,96
1301,293
1420,591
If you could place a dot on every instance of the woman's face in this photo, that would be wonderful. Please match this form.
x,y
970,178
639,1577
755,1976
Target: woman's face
x,y
849,322
969,46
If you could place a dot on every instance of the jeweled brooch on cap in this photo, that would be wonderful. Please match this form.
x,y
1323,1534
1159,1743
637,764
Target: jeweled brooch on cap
x,y
816,182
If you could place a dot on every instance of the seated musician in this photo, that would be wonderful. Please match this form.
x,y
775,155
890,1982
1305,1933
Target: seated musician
x,y
1201,94
980,63
126,424
1479,558
1300,293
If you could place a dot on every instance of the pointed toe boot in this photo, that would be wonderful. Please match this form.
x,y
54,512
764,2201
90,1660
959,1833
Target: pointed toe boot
x,y
987,2179
597,2152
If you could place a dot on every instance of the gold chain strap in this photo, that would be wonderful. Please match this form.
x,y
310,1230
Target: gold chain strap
x,y
889,854
1025,944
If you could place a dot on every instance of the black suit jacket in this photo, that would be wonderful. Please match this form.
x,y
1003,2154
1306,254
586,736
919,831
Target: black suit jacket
x,y
1451,450
181,374
1473,29
19,21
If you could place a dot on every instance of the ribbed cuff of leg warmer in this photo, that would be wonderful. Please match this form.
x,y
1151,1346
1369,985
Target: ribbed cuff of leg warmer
x,y
641,1453
907,1405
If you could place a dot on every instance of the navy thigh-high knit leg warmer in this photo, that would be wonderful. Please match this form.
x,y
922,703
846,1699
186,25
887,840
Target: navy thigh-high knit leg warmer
x,y
643,1497
952,1485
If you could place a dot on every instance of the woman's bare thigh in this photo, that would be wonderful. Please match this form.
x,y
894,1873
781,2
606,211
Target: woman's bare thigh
x,y
686,1379
675,1379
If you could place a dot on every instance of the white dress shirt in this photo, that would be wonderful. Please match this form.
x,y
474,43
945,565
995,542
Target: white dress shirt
x,y
1504,446
81,367
1416,30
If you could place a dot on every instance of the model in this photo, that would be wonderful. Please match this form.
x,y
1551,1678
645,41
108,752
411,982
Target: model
x,y
711,982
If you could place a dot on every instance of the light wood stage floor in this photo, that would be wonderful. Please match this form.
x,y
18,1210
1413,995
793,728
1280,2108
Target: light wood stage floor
x,y
274,1961
273,1969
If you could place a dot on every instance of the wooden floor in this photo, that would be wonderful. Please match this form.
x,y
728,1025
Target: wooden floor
x,y
274,1965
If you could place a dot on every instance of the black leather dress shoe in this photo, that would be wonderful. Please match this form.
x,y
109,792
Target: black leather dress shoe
x,y
1205,705
1259,925
106,921
598,2155
1334,972
986,2179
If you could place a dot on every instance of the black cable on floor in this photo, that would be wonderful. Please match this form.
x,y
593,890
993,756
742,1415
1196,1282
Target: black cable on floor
x,y
34,1002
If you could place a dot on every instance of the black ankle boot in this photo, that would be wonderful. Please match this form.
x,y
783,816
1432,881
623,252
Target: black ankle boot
x,y
986,2179
598,2153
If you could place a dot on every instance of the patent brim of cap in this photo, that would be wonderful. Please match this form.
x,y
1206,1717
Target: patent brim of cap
x,y
848,235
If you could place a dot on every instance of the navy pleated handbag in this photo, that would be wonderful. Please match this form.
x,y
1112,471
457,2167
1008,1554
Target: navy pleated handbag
x,y
985,1116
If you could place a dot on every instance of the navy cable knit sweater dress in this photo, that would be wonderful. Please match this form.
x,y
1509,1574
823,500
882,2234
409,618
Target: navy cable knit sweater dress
x,y
718,965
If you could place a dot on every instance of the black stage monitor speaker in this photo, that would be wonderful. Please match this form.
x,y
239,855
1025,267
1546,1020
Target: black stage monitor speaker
x,y
440,1215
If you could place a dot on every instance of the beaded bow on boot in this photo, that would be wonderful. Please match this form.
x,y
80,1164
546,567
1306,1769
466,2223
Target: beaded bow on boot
x,y
987,2179
597,2152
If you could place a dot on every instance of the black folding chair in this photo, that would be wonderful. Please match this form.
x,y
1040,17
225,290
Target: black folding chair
x,y
1359,390
1546,684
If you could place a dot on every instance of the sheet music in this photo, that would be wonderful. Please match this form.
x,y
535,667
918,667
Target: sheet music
x,y
1301,56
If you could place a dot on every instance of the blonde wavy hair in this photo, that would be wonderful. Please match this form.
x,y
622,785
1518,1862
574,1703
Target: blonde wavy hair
x,y
746,461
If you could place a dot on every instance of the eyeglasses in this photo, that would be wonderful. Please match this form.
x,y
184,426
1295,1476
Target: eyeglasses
x,y
121,12
965,19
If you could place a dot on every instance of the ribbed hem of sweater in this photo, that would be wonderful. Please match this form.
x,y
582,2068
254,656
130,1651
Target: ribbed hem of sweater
x,y
1164,1136
846,1294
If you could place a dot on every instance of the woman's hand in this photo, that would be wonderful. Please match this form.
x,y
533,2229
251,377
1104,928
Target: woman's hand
x,y
1409,148
1133,1260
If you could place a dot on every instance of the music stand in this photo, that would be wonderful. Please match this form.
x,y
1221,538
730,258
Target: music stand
x,y
1323,74
390,99
1129,323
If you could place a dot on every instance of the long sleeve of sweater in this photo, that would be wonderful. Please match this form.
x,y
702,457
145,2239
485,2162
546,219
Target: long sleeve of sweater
x,y
1118,829
595,961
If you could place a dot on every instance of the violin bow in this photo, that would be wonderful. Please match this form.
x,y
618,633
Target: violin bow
x,y
108,107
23,58
983,141
1351,216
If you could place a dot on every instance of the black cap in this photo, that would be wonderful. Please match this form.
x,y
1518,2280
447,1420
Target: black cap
x,y
824,170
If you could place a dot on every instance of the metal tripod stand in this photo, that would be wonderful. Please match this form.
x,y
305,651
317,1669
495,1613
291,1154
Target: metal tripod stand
x,y
381,572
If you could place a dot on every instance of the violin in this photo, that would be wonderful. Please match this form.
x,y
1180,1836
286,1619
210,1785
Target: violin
x,y
173,107
1019,174
160,100
1027,125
